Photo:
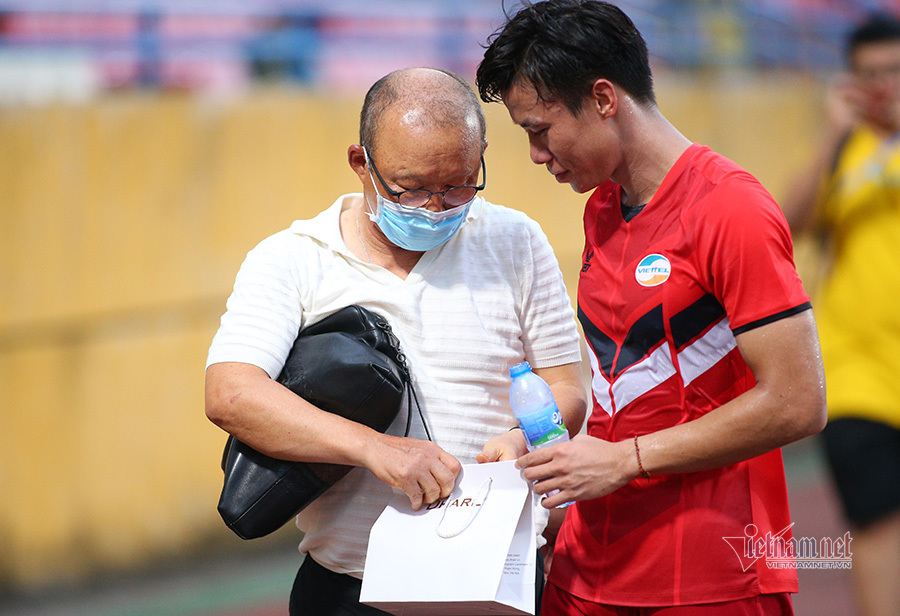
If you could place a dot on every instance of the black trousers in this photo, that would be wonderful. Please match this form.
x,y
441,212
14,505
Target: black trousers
x,y
318,591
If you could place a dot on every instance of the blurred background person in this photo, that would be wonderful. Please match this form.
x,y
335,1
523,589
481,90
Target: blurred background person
x,y
850,198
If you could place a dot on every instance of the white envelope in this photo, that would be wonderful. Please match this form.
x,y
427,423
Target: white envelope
x,y
472,554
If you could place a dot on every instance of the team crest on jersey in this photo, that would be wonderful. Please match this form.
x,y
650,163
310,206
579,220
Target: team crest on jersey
x,y
653,270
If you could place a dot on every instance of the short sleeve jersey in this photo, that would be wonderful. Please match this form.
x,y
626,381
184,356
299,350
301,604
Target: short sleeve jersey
x,y
661,298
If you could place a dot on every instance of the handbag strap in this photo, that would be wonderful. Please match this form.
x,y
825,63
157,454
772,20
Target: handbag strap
x,y
399,358
392,343
410,397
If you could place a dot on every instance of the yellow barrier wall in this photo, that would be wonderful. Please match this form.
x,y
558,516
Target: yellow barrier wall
x,y
122,225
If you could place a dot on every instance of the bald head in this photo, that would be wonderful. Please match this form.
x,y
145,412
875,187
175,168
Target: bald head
x,y
421,98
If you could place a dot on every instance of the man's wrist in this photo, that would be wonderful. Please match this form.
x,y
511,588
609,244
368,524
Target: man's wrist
x,y
642,472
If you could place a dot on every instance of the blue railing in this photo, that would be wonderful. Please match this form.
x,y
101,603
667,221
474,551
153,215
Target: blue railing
x,y
348,43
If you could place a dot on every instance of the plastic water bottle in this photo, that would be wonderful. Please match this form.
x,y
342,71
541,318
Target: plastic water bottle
x,y
535,408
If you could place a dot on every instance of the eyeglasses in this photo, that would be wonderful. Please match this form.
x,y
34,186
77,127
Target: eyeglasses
x,y
874,73
417,197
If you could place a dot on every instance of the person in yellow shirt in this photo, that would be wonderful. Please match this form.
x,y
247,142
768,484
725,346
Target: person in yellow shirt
x,y
851,197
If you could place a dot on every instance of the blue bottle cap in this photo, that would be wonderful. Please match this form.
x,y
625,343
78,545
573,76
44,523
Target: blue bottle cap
x,y
520,368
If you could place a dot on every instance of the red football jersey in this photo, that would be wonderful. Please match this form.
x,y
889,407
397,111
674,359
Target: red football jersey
x,y
661,298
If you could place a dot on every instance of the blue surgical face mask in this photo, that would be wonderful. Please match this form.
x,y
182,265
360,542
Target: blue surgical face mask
x,y
417,229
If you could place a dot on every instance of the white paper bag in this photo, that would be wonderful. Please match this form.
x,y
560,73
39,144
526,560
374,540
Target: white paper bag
x,y
472,554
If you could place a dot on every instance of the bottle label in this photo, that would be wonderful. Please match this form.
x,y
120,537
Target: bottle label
x,y
544,426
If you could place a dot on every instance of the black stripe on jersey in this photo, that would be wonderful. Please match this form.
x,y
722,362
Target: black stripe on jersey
x,y
603,345
646,333
693,320
772,318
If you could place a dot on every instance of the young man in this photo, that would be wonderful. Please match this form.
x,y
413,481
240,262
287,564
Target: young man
x,y
704,352
851,196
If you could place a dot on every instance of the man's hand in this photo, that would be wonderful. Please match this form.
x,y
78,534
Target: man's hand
x,y
582,469
845,104
507,446
424,471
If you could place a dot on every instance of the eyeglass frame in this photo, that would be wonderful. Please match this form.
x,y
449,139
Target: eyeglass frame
x,y
868,75
397,194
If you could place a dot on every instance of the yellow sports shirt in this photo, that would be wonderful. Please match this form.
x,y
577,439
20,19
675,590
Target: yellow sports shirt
x,y
858,306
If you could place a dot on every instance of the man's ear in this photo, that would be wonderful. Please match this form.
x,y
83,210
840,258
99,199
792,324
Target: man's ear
x,y
604,98
356,157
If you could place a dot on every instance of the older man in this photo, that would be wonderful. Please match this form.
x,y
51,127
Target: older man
x,y
469,288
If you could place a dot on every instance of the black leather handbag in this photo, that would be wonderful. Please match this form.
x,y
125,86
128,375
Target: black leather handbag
x,y
349,363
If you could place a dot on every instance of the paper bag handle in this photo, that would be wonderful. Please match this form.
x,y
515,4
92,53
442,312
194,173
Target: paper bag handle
x,y
447,531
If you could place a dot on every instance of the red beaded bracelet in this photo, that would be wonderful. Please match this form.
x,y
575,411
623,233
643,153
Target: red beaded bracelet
x,y
637,452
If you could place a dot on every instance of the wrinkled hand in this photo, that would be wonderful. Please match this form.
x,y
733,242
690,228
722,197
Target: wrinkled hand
x,y
582,469
507,446
425,472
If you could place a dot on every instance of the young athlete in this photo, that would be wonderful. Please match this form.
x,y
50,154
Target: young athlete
x,y
703,347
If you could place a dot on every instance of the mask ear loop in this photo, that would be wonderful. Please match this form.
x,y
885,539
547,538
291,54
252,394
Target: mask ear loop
x,y
372,215
446,531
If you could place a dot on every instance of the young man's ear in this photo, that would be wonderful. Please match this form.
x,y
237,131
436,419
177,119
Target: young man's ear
x,y
604,98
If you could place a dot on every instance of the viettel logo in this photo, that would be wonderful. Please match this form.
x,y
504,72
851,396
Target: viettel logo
x,y
652,270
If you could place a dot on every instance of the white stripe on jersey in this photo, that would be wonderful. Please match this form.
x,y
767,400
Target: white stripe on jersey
x,y
693,360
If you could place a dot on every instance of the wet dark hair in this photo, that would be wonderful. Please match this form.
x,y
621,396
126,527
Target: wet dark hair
x,y
877,28
561,47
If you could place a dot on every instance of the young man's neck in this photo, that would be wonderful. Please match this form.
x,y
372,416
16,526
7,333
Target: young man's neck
x,y
651,146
